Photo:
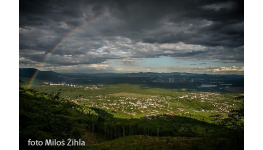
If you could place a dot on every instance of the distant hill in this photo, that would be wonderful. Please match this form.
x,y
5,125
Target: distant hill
x,y
26,72
42,75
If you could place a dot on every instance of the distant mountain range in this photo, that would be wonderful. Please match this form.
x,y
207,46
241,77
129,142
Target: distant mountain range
x,y
131,78
29,72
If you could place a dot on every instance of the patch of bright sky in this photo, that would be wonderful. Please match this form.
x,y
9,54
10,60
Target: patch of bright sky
x,y
158,64
169,61
100,49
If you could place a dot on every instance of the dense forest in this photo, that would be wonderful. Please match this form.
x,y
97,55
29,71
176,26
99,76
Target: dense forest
x,y
49,116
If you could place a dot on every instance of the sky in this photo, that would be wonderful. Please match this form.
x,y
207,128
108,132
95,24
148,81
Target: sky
x,y
125,36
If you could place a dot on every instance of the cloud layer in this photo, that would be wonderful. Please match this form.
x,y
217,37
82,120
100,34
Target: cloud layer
x,y
127,31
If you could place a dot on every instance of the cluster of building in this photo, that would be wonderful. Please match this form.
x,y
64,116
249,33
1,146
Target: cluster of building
x,y
157,106
62,84
92,87
131,105
172,80
211,98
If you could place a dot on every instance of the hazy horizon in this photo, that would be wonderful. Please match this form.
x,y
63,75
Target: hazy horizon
x,y
130,72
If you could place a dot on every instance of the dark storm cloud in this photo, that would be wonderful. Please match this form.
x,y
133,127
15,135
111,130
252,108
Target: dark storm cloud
x,y
224,27
31,6
204,39
131,28
228,54
235,29
37,43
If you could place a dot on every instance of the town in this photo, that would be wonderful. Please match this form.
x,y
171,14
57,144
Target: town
x,y
156,105
197,98
122,104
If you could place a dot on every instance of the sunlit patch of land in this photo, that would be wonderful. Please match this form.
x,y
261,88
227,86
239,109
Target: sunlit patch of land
x,y
131,95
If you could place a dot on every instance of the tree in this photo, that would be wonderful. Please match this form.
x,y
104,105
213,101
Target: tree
x,y
230,135
58,94
235,119
21,83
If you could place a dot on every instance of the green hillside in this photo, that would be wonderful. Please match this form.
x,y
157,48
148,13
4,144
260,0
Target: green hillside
x,y
45,116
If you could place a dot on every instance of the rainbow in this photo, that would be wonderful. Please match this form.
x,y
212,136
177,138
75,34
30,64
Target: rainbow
x,y
32,79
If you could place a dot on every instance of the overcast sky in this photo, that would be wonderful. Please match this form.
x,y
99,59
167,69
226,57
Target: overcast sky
x,y
203,36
